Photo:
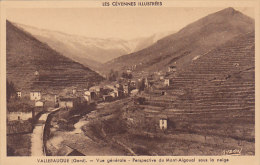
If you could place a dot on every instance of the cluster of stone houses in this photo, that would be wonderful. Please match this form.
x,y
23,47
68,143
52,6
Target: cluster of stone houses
x,y
97,93
106,92
159,77
102,93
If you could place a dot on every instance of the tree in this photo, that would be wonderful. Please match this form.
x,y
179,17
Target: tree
x,y
10,90
124,75
112,76
127,76
130,76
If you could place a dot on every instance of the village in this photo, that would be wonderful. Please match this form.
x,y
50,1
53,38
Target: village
x,y
71,98
107,91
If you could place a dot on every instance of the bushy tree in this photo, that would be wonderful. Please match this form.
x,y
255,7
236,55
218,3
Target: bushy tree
x,y
127,76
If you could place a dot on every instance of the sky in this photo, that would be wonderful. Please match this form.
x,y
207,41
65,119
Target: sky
x,y
123,23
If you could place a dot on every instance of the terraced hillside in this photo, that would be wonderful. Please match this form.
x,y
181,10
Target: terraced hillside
x,y
210,107
216,93
26,55
195,39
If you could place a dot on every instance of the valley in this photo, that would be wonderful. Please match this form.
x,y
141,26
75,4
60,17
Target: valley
x,y
91,52
190,93
206,118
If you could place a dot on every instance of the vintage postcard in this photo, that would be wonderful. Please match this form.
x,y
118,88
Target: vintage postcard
x,y
129,82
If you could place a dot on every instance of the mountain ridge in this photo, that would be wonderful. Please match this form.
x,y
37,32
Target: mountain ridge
x,y
194,39
89,51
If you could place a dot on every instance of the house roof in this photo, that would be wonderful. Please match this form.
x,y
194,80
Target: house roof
x,y
35,91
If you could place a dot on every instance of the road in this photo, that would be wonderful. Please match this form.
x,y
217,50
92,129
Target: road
x,y
37,148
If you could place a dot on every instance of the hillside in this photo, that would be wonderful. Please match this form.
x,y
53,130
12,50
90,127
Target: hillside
x,y
91,52
210,106
25,55
222,79
193,40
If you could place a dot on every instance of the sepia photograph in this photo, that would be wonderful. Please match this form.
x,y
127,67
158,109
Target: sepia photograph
x,y
130,81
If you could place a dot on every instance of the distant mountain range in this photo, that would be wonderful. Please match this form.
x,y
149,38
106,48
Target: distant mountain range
x,y
25,55
61,59
91,52
191,42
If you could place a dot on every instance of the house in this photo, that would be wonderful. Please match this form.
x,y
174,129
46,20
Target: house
x,y
118,86
67,102
35,95
163,93
107,98
163,122
134,92
167,82
50,98
96,89
126,89
172,68
114,93
19,94
128,71
74,91
161,77
39,103
87,93
91,94
36,73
